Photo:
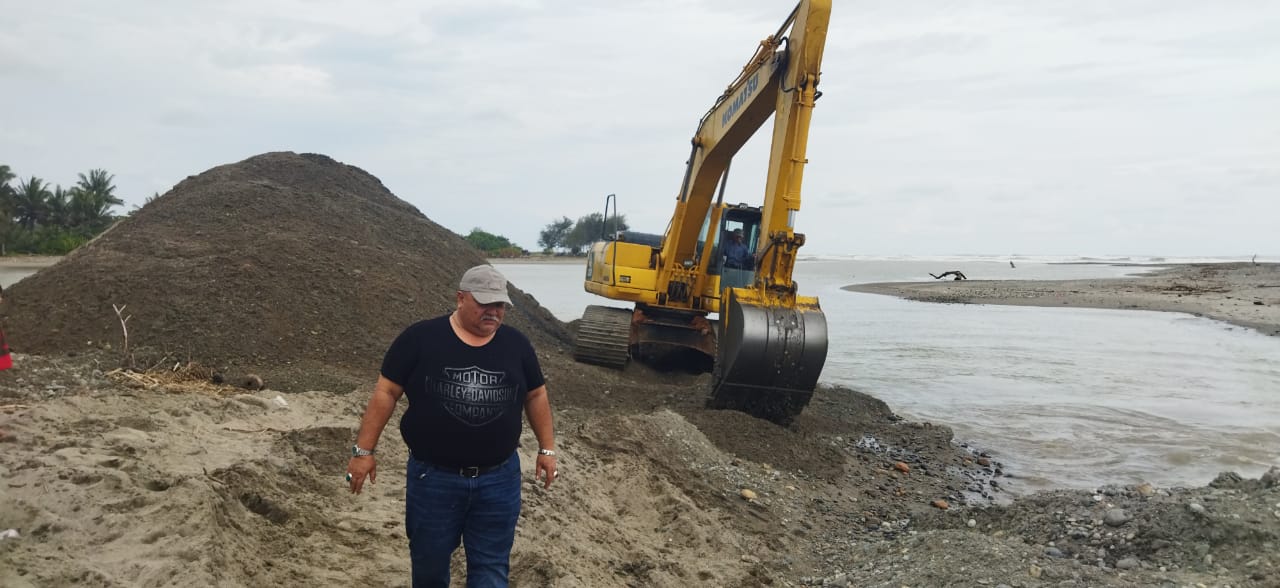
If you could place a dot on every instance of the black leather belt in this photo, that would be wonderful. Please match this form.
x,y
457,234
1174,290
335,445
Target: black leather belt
x,y
466,472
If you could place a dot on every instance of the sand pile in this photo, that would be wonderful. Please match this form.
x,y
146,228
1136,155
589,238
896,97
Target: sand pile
x,y
296,267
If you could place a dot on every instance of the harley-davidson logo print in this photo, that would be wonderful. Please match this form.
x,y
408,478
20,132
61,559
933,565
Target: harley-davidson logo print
x,y
474,396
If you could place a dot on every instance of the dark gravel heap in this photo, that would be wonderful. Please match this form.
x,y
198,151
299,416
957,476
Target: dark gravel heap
x,y
295,267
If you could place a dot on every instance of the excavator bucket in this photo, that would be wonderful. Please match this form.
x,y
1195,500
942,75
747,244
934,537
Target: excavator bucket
x,y
769,357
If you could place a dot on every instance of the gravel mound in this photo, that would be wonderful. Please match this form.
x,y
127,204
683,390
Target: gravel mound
x,y
296,267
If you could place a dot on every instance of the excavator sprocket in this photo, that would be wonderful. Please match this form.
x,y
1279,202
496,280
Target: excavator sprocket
x,y
769,359
604,336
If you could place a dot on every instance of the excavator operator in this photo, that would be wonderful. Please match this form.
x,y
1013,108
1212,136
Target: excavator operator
x,y
736,254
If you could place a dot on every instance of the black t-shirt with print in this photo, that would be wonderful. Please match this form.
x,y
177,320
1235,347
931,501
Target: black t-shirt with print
x,y
465,403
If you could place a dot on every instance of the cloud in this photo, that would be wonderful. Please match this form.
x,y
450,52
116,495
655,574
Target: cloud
x,y
943,127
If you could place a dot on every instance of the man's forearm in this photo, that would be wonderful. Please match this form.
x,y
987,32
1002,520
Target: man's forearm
x,y
381,405
538,410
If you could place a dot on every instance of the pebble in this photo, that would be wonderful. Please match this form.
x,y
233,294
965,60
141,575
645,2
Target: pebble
x,y
1196,508
1128,563
902,467
1054,552
1116,517
971,523
1035,571
747,494
942,504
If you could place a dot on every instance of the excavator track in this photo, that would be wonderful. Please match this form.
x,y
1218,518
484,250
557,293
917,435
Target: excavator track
x,y
604,336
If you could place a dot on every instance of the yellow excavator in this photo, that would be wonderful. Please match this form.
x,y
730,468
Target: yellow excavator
x,y
767,348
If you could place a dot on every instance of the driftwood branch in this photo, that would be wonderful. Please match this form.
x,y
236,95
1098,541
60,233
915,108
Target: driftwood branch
x,y
126,360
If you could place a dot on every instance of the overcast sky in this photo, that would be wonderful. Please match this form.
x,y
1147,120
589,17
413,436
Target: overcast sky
x,y
987,127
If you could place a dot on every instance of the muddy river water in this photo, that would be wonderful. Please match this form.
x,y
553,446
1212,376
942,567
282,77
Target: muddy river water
x,y
1064,397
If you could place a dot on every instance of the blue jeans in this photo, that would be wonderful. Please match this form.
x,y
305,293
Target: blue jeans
x,y
443,507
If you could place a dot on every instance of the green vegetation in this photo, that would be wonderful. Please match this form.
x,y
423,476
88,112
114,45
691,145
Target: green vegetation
x,y
567,236
563,236
493,245
36,217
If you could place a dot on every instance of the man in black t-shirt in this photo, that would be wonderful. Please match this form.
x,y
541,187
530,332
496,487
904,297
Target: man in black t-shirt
x,y
467,377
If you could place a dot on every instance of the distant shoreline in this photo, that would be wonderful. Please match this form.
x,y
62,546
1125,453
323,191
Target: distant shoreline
x,y
1241,293
28,261
557,259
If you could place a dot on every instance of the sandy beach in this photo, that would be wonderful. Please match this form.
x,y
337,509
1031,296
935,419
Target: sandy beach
x,y
127,465
28,261
1242,294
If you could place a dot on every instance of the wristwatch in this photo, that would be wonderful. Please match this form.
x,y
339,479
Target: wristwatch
x,y
356,451
546,452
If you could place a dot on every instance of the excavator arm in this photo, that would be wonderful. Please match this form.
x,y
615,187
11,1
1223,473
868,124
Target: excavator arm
x,y
779,81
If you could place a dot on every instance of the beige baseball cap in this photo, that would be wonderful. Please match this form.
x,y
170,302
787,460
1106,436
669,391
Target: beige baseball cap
x,y
485,284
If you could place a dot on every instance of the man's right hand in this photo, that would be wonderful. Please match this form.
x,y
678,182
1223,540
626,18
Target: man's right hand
x,y
358,469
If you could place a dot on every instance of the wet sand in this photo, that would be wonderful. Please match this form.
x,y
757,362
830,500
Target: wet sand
x,y
1242,294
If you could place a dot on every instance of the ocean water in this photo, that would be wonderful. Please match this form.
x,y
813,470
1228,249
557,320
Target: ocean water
x,y
1062,397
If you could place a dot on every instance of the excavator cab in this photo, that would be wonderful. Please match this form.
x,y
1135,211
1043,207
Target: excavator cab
x,y
736,260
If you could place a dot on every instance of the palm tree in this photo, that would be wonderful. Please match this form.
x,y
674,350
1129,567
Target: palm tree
x,y
92,199
5,176
6,194
99,183
31,202
6,207
58,207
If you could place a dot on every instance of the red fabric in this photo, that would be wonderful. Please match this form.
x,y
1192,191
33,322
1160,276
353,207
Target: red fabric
x,y
6,360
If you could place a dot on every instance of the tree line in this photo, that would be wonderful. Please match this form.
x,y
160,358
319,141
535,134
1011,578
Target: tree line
x,y
564,236
42,218
572,237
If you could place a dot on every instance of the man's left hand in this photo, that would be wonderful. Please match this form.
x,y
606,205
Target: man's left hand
x,y
545,470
